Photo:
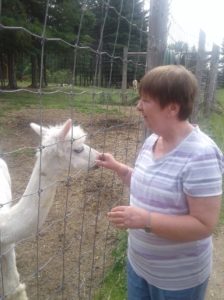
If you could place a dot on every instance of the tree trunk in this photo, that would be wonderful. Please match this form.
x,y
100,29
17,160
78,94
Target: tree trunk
x,y
44,72
3,71
34,72
39,70
12,84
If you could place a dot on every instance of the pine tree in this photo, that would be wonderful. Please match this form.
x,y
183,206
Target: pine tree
x,y
21,51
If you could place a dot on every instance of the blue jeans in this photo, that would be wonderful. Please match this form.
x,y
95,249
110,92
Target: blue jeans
x,y
140,289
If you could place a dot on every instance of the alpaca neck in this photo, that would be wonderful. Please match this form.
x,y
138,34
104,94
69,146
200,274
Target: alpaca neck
x,y
29,214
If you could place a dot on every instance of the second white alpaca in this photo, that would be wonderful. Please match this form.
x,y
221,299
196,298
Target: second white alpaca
x,y
135,85
62,146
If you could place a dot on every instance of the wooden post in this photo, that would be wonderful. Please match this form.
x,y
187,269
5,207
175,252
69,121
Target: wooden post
x,y
124,75
210,95
157,36
199,73
99,77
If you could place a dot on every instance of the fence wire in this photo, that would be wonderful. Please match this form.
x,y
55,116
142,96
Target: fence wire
x,y
69,256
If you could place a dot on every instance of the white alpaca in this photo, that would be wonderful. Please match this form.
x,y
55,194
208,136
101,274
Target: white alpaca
x,y
10,284
62,146
135,85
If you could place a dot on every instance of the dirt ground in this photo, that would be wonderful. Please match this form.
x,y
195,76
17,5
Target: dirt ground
x,y
216,284
70,256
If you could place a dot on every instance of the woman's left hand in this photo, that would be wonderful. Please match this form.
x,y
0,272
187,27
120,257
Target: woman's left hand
x,y
124,217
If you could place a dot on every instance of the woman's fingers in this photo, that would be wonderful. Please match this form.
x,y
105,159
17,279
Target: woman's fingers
x,y
116,217
118,209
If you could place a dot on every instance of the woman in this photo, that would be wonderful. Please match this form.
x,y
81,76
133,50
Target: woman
x,y
175,193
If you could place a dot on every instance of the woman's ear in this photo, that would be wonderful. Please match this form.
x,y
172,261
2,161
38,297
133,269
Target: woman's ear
x,y
173,109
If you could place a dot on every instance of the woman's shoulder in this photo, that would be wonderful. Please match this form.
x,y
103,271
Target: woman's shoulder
x,y
199,141
202,150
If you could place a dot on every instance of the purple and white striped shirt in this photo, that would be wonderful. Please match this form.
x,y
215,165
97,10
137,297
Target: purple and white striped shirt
x,y
193,168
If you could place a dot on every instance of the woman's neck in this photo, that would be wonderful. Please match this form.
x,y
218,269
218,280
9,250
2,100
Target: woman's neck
x,y
177,132
171,138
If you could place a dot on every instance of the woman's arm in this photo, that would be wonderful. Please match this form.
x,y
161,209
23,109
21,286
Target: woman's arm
x,y
198,224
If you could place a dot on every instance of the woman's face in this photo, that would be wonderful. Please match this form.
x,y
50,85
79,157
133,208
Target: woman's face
x,y
155,117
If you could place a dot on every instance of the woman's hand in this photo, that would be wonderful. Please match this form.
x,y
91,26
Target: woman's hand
x,y
124,217
106,160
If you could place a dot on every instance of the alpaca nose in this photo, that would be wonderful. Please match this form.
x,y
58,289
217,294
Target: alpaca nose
x,y
93,167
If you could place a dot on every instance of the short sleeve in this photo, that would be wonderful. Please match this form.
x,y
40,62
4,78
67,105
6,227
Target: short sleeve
x,y
202,176
147,147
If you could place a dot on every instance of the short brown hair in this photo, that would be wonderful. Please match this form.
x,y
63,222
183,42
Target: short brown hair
x,y
171,84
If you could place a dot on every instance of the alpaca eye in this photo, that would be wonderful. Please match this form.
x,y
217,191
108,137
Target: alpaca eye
x,y
79,150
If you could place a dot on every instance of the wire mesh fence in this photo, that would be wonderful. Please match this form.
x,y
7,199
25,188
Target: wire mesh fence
x,y
67,257
90,81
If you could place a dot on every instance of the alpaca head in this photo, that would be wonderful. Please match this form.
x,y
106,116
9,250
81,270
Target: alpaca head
x,y
66,144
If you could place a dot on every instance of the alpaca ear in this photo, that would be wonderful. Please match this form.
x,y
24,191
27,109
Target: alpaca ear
x,y
37,128
65,129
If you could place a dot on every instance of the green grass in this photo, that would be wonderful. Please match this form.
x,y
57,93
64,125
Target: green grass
x,y
214,127
217,132
82,99
114,284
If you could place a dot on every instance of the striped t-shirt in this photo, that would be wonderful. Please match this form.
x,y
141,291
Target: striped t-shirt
x,y
193,168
